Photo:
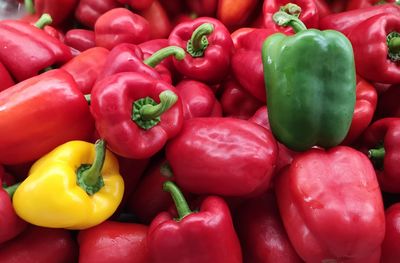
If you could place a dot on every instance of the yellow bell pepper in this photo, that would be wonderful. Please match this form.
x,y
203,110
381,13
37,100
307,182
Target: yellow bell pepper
x,y
75,186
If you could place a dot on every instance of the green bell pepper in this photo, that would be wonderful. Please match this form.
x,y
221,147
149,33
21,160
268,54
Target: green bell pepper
x,y
310,82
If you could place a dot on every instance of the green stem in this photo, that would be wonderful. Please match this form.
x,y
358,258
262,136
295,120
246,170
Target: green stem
x,y
88,98
198,42
377,154
393,43
283,18
291,9
160,55
180,202
43,21
89,175
29,6
11,189
397,2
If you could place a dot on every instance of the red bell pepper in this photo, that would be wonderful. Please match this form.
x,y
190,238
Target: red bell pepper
x,y
236,101
261,232
323,8
137,4
376,45
364,109
26,49
388,103
6,79
80,39
209,48
59,10
88,11
391,243
346,21
53,108
148,199
382,138
203,7
222,156
358,4
136,114
120,25
159,22
113,242
39,244
331,206
235,13
306,10
198,100
197,237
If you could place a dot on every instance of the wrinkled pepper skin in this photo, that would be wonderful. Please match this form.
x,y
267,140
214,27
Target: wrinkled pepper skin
x,y
391,243
51,196
222,156
51,99
39,244
331,206
310,82
113,242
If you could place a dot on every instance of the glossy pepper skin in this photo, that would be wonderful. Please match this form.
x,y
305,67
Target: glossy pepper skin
x,y
118,106
28,49
54,100
77,185
222,156
382,138
6,79
58,10
197,237
331,206
80,39
120,25
377,40
159,22
310,82
88,11
39,244
113,241
390,245
208,56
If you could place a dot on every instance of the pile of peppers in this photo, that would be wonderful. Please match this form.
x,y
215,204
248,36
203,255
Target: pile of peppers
x,y
199,131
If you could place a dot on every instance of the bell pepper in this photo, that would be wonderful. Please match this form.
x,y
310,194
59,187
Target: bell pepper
x,y
208,46
305,10
207,157
6,79
323,8
207,235
203,7
378,39
137,4
86,67
136,114
346,21
310,82
364,110
235,13
382,138
331,206
58,10
23,42
120,25
159,22
260,229
51,99
75,186
388,103
39,244
88,11
113,241
358,4
198,100
80,39
236,101
390,245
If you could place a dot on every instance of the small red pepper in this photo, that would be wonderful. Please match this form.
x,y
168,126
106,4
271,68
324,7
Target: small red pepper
x,y
358,4
391,243
197,237
137,4
120,25
136,114
376,45
209,48
159,22
59,10
86,67
53,108
331,206
88,11
6,79
80,39
39,244
382,138
222,156
113,242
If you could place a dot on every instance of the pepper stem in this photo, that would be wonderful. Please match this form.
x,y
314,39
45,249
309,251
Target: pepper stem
x,y
180,202
146,112
89,175
288,16
377,154
43,21
29,6
393,43
198,42
160,55
11,189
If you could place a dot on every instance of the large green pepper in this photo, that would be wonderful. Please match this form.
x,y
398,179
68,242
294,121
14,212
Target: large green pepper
x,y
310,82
